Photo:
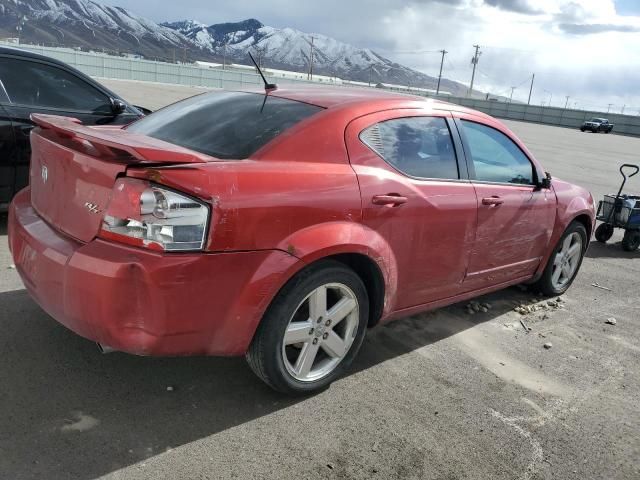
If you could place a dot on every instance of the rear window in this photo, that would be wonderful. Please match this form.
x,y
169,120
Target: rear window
x,y
224,125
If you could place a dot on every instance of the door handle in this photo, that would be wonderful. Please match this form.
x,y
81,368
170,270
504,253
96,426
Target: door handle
x,y
392,199
494,200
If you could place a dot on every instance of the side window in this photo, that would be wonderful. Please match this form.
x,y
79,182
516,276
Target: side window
x,y
495,157
39,85
416,146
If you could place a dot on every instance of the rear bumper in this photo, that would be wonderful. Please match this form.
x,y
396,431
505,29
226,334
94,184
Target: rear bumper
x,y
143,302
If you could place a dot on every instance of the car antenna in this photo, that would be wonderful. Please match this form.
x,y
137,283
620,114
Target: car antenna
x,y
267,86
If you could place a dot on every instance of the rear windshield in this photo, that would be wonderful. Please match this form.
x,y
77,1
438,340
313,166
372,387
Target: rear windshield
x,y
226,124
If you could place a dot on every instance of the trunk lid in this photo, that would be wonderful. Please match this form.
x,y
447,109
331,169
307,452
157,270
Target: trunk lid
x,y
74,167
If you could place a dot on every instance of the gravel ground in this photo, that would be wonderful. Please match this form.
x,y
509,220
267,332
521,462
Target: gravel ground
x,y
443,395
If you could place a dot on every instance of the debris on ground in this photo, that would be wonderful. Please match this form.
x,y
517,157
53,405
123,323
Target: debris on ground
x,y
526,328
611,321
595,284
477,307
548,345
526,307
170,388
11,267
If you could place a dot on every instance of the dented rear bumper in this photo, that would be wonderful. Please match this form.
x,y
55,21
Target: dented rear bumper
x,y
143,302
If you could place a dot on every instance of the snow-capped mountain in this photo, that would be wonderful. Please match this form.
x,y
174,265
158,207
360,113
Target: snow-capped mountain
x,y
290,49
90,25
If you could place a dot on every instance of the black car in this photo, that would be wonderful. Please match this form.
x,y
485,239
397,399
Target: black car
x,y
32,83
596,125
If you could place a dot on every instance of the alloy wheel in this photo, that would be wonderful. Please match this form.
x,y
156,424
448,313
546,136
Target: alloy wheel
x,y
320,332
566,261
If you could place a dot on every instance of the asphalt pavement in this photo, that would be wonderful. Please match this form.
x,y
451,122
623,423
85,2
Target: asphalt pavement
x,y
442,395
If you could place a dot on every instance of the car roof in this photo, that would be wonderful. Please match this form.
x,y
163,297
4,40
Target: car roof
x,y
338,96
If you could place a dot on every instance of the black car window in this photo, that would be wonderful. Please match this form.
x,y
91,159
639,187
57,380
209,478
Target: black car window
x,y
496,158
36,84
227,125
416,146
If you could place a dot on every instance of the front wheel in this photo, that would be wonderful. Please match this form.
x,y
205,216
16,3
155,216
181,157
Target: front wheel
x,y
312,331
564,262
582,129
631,240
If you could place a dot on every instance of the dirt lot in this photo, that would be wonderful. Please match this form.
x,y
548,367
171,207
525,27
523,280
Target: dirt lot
x,y
439,395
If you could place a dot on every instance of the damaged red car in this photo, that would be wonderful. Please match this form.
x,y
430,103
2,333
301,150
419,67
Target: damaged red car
x,y
281,225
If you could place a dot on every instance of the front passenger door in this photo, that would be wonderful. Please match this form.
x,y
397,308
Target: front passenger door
x,y
515,216
34,86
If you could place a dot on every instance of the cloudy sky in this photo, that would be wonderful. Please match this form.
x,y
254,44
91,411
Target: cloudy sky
x,y
587,49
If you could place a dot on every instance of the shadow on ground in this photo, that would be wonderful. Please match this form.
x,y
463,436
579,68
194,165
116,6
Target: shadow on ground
x,y
71,412
609,250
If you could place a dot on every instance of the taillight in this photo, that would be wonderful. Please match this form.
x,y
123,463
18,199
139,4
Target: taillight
x,y
146,215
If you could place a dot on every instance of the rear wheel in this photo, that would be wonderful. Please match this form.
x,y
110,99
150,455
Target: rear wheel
x,y
603,232
312,331
564,262
631,240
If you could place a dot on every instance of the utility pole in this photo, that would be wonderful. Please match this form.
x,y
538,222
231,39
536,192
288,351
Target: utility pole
x,y
567,102
474,62
511,96
609,107
533,77
443,52
224,56
310,75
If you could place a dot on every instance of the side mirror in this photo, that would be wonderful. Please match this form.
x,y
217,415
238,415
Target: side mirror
x,y
545,182
117,106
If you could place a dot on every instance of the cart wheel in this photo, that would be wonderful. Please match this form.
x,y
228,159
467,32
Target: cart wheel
x,y
604,232
631,240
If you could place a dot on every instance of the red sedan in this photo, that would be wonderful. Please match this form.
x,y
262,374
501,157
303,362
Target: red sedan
x,y
281,225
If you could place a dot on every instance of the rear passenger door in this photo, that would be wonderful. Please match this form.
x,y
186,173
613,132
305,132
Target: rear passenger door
x,y
515,216
416,196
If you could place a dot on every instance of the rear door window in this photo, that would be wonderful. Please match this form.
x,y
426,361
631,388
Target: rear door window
x,y
416,146
496,158
228,125
36,84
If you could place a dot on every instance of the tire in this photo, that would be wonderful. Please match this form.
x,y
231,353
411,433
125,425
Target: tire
x,y
582,129
631,240
604,232
275,361
546,284
607,131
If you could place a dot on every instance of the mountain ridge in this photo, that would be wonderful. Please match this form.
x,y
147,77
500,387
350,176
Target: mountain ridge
x,y
89,25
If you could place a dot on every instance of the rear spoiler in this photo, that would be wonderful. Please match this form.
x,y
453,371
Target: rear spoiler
x,y
141,148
